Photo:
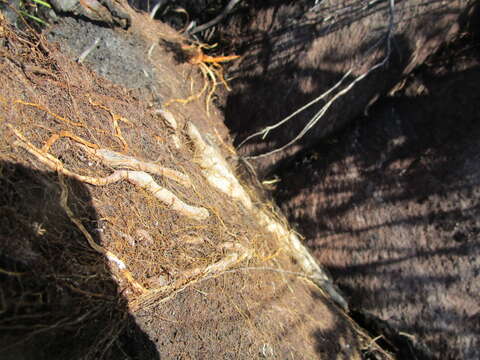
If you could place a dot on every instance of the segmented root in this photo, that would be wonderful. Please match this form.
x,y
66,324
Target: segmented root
x,y
215,169
219,174
138,178
115,159
145,181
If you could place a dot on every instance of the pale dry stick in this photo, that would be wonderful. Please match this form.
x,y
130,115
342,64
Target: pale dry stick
x,y
157,6
115,159
150,51
138,178
341,93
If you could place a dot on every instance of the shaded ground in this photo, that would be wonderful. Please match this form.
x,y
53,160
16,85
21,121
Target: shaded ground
x,y
391,206
60,297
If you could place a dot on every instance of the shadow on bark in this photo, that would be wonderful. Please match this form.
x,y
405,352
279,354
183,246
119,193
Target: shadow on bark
x,y
392,210
292,54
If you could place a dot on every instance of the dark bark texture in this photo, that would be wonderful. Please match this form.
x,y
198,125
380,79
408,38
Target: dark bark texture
x,y
390,206
294,51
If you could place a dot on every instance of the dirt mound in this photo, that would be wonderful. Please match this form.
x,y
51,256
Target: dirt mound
x,y
126,234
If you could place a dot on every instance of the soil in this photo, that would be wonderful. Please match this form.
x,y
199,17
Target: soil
x,y
60,297
390,206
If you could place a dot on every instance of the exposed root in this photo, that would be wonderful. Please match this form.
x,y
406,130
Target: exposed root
x,y
231,4
191,97
138,178
236,252
115,119
208,73
227,262
194,276
324,108
215,169
115,159
68,134
170,120
10,273
300,253
43,108
108,254
199,57
211,69
219,174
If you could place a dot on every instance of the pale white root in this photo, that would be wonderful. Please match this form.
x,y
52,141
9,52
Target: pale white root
x,y
176,141
168,118
302,256
172,124
234,257
236,254
138,178
215,168
144,180
219,174
117,160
